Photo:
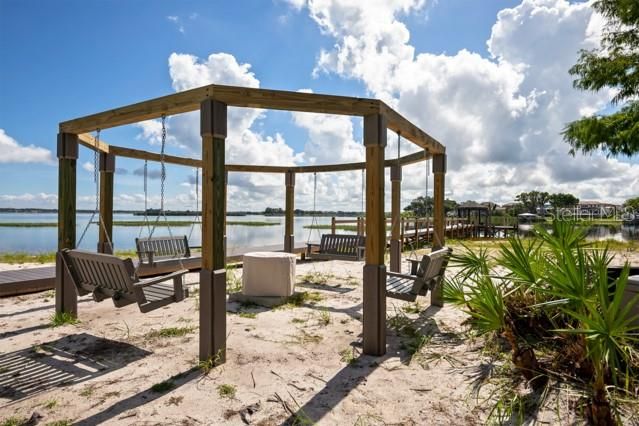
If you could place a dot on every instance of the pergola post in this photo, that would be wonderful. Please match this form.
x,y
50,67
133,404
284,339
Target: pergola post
x,y
105,234
213,275
374,315
289,231
395,243
66,298
439,216
226,197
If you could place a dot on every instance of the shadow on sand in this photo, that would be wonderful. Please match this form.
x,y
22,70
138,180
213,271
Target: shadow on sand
x,y
68,360
356,372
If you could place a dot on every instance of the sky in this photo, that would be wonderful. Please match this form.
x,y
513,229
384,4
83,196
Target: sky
x,y
487,78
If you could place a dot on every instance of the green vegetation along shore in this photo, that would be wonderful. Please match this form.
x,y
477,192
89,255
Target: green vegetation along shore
x,y
134,223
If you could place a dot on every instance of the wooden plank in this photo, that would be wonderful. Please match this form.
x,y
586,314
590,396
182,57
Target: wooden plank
x,y
88,141
190,100
23,281
397,123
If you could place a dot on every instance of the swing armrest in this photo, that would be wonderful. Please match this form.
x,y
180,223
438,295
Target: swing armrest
x,y
311,246
414,265
149,256
161,279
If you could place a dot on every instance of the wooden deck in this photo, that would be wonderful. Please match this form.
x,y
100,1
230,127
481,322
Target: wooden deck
x,y
28,280
31,280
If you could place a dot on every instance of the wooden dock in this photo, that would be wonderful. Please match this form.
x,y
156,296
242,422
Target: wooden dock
x,y
31,280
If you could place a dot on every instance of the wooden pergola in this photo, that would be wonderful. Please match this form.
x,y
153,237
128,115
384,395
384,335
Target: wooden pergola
x,y
212,102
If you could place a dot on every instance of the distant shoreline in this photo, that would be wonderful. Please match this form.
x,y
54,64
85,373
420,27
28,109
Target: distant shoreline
x,y
152,212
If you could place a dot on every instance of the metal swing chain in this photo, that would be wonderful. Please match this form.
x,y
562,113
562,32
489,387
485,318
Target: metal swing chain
x,y
363,190
314,222
96,162
162,164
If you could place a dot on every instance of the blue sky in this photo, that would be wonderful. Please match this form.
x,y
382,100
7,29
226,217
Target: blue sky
x,y
64,59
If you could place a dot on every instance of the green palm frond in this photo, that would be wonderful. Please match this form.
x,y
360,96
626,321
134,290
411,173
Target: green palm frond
x,y
470,262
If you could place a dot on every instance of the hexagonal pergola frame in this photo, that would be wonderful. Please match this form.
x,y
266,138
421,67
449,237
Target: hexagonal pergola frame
x,y
212,101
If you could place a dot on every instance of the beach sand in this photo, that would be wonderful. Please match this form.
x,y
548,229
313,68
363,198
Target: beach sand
x,y
286,365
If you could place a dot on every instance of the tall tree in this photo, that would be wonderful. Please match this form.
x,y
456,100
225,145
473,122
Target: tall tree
x,y
423,206
633,204
561,200
614,65
533,200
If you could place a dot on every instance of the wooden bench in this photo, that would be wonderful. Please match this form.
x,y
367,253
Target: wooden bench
x,y
161,255
106,276
337,247
426,274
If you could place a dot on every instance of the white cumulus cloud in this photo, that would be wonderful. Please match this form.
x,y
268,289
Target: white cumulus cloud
x,y
14,152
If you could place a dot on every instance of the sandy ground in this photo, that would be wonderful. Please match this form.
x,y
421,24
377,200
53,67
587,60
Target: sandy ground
x,y
287,365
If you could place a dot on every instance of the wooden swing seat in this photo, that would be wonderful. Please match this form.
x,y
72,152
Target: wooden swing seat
x,y
426,274
161,255
337,247
105,276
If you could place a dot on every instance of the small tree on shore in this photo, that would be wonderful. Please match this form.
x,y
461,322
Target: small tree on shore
x,y
615,65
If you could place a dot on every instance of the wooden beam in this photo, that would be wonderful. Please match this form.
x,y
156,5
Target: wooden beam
x,y
189,100
439,217
105,232
66,299
152,156
88,141
397,123
374,287
213,276
396,193
289,214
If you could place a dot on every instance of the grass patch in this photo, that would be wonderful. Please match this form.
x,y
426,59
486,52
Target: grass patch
x,y
300,299
50,404
16,258
303,337
60,423
413,308
324,317
174,400
20,257
62,318
251,315
348,355
299,320
14,421
169,332
226,391
209,364
87,391
316,278
162,387
251,223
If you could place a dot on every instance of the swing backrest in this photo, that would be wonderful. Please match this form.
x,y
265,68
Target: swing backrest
x,y
96,271
433,266
342,245
162,248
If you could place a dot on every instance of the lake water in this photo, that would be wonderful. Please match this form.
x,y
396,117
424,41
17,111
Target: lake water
x,y
35,240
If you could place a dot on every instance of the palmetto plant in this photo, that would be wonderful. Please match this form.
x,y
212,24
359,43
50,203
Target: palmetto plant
x,y
556,280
